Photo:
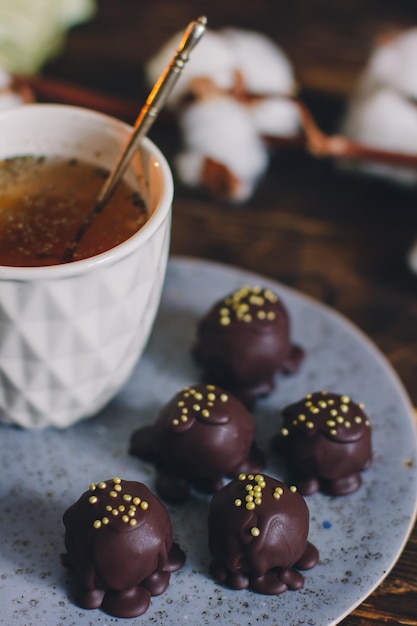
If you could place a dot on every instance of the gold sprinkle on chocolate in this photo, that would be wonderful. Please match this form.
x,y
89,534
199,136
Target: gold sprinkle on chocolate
x,y
97,523
310,424
144,505
358,419
224,397
117,480
93,486
127,497
293,488
284,432
255,532
270,296
113,494
345,399
242,477
250,506
102,485
125,519
238,502
136,501
93,499
105,521
133,522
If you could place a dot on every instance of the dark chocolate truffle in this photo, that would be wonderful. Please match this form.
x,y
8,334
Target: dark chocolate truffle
x,y
258,529
244,342
119,545
201,436
326,440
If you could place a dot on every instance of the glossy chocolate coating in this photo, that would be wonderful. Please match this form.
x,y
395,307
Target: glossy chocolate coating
x,y
244,342
258,529
201,436
119,544
326,440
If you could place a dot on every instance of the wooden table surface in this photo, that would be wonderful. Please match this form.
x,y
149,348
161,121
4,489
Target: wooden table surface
x,y
339,238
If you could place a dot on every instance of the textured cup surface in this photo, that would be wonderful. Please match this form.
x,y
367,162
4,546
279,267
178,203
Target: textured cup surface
x,y
70,334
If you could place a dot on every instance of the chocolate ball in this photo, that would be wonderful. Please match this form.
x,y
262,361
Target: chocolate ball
x,y
244,342
119,545
202,435
258,529
326,440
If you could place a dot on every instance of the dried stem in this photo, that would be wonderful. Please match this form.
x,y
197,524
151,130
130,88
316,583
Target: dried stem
x,y
312,138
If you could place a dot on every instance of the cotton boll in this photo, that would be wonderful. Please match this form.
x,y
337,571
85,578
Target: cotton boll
x,y
221,129
275,117
211,58
394,64
263,65
385,120
382,113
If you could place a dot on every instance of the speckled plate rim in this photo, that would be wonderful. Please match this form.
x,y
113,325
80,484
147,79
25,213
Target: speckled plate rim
x,y
38,584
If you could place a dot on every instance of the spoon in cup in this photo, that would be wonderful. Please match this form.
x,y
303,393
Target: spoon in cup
x,y
148,114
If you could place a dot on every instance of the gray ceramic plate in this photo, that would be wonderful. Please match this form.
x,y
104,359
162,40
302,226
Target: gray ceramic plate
x,y
359,536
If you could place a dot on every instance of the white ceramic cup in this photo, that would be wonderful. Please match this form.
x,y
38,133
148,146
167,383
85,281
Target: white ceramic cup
x,y
71,334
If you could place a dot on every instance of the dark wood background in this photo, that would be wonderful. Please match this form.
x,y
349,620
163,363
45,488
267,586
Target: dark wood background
x,y
335,236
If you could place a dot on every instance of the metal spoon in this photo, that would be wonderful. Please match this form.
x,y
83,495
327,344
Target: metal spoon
x,y
148,114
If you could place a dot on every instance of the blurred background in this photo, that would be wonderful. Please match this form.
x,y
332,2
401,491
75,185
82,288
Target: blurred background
x,y
337,236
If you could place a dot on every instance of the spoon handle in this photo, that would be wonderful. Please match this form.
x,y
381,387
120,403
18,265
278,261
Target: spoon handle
x,y
154,103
